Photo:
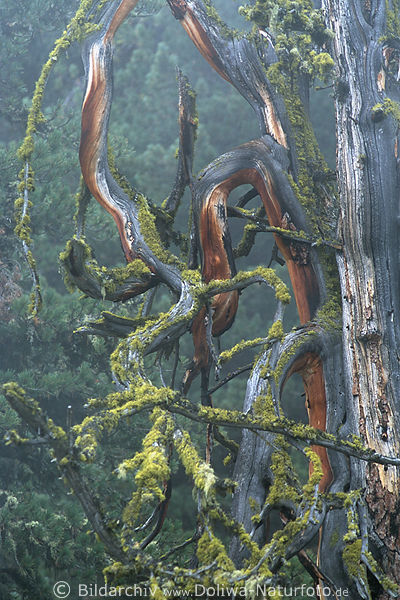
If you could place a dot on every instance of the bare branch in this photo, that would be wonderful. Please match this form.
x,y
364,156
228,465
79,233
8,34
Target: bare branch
x,y
187,136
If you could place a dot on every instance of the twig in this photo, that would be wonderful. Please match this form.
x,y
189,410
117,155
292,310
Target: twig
x,y
229,377
162,512
176,362
232,446
243,200
191,540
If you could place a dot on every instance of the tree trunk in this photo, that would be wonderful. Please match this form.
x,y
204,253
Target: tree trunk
x,y
369,267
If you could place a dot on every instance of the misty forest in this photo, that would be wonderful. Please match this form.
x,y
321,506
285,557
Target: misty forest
x,y
200,299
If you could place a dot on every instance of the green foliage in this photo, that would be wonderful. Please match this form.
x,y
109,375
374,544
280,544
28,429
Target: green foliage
x,y
392,19
43,540
388,107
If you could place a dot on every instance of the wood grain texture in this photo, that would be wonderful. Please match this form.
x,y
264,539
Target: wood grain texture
x,y
369,269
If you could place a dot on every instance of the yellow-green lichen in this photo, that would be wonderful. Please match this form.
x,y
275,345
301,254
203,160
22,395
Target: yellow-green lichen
x,y
202,473
285,484
227,355
289,354
388,107
151,467
79,27
149,231
276,331
211,549
352,560
109,280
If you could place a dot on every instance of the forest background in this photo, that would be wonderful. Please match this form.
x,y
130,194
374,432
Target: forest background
x,y
44,535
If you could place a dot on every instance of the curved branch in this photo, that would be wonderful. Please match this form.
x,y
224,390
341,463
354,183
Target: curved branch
x,y
238,62
263,164
124,205
116,285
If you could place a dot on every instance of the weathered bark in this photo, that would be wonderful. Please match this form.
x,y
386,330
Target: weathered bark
x,y
369,269
93,152
242,65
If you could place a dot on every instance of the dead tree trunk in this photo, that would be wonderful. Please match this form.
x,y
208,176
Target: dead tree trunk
x,y
367,58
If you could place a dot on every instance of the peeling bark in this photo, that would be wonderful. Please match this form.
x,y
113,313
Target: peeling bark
x,y
369,269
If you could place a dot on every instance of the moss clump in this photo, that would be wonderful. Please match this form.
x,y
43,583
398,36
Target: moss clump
x,y
202,474
298,29
109,280
388,107
352,559
193,276
149,230
13,390
276,331
285,483
211,549
265,407
151,466
317,472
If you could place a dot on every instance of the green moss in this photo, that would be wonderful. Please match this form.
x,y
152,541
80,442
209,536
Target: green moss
x,y
147,219
352,560
151,466
388,107
149,231
202,474
210,549
276,331
247,241
227,355
384,580
109,280
13,390
268,275
264,407
290,353
225,31
78,28
392,20
317,472
298,29
322,64
285,484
